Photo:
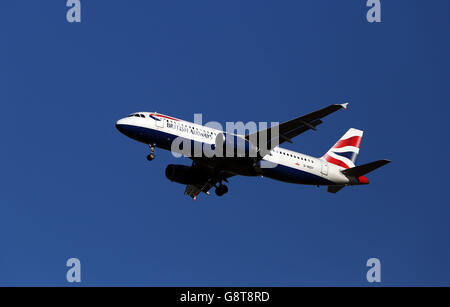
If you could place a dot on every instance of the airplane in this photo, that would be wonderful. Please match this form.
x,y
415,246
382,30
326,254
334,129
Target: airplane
x,y
336,169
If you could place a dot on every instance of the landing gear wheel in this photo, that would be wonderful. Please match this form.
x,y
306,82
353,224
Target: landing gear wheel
x,y
151,156
221,190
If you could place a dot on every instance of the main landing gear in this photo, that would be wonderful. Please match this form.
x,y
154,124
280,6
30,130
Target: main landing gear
x,y
151,156
221,190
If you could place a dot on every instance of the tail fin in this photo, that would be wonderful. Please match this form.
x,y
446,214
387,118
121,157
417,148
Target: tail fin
x,y
345,151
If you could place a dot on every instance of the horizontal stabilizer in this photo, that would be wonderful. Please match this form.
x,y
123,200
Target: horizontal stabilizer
x,y
334,188
361,170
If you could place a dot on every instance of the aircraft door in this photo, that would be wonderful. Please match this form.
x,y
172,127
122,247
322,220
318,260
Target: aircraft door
x,y
324,169
160,123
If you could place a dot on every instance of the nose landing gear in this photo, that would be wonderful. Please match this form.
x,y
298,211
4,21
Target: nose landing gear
x,y
151,156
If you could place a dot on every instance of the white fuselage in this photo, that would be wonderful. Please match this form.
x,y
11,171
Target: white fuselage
x,y
289,166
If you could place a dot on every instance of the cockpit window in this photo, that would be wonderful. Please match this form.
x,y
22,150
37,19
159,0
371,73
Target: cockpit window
x,y
137,115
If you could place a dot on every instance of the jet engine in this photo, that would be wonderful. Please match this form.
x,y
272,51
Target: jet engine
x,y
185,174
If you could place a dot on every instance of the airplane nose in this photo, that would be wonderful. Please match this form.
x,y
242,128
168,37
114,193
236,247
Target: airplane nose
x,y
120,125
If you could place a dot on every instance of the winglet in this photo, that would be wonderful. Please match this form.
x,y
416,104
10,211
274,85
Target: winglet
x,y
344,105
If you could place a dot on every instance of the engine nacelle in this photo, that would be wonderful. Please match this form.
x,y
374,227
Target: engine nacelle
x,y
185,174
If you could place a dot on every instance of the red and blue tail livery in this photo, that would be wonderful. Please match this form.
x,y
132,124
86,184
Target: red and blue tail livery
x,y
345,151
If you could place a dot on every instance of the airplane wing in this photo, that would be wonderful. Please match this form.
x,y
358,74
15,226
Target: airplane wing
x,y
292,128
210,182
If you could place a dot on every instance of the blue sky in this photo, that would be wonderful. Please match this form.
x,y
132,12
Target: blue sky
x,y
73,186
